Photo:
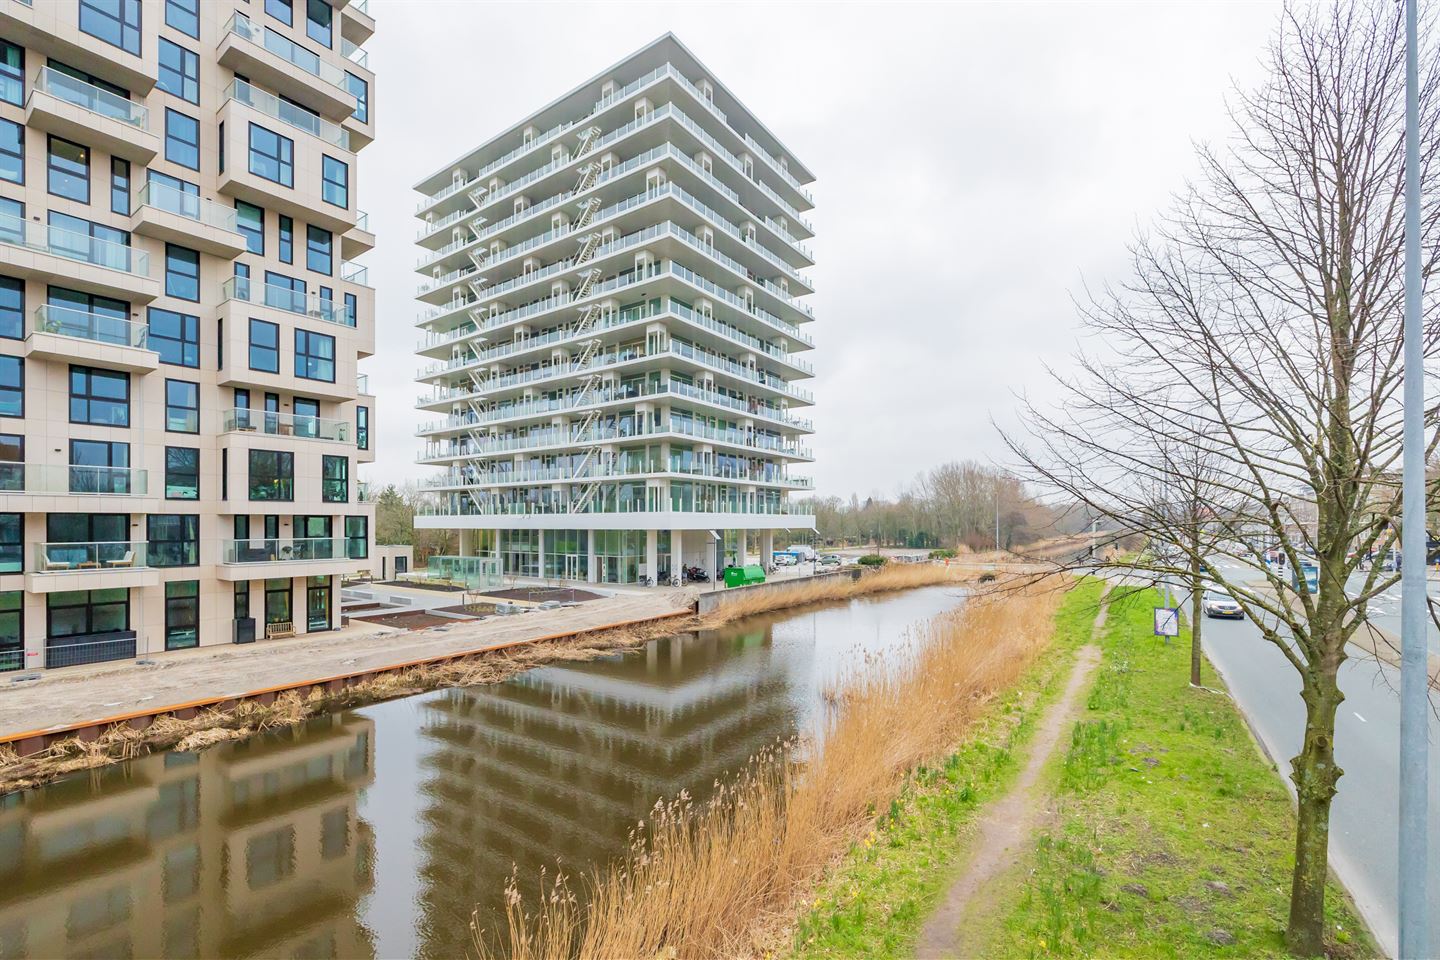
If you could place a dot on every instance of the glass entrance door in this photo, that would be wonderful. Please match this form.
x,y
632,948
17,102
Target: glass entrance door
x,y
572,567
317,604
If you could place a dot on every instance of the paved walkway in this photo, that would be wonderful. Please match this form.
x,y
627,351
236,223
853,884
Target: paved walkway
x,y
82,695
1006,827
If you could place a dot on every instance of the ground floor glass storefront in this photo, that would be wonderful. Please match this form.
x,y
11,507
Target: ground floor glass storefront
x,y
567,554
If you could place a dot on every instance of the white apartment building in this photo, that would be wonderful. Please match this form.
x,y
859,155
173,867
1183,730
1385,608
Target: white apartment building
x,y
181,415
613,330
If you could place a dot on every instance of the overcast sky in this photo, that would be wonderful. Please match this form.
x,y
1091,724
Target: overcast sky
x,y
977,165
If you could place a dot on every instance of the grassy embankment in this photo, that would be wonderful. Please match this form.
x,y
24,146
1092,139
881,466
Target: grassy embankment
x,y
123,742
725,878
1172,836
873,902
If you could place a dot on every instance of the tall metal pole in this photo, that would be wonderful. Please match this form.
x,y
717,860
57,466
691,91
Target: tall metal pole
x,y
1414,775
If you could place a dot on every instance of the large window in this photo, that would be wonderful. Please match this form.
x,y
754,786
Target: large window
x,y
318,20
319,246
12,308
281,10
361,90
68,170
12,73
100,397
179,70
250,221
182,139
117,22
175,336
335,479
182,406
182,473
277,600
182,273
174,539
12,152
78,613
357,538
88,315
314,356
242,589
362,428
272,156
75,237
272,475
183,15
182,614
12,630
12,542
264,346
335,182
120,186
99,466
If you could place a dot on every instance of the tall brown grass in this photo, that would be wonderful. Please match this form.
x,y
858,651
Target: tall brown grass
x,y
717,879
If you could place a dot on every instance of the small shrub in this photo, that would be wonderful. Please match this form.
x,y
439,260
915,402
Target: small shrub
x,y
871,560
945,554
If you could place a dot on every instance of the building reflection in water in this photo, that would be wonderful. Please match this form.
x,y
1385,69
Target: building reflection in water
x,y
562,762
250,848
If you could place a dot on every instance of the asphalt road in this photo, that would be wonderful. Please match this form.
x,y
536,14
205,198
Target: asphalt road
x,y
1363,841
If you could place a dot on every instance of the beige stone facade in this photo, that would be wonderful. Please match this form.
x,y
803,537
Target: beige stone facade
x,y
182,414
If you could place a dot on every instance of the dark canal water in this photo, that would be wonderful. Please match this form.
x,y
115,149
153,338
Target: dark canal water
x,y
376,832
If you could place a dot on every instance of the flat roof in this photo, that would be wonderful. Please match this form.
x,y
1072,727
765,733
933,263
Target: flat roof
x,y
666,47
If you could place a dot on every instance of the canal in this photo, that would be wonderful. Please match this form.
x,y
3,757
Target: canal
x,y
377,831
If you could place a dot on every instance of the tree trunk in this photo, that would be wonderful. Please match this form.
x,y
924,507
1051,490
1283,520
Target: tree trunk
x,y
1196,615
1315,776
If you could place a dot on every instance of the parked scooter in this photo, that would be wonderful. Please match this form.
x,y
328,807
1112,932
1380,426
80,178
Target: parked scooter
x,y
696,575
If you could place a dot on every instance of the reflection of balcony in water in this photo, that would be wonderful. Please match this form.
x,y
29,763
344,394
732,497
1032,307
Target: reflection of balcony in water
x,y
230,851
562,761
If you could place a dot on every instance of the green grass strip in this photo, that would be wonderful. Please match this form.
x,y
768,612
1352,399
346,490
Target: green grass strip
x,y
874,902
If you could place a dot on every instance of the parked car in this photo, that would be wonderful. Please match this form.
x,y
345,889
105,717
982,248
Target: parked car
x,y
1216,603
786,560
830,560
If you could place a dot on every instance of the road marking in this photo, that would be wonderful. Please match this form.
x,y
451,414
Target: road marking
x,y
1360,718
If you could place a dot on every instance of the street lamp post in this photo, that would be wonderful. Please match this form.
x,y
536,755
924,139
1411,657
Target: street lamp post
x,y
1414,679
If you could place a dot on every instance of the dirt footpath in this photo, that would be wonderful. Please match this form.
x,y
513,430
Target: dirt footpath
x,y
80,695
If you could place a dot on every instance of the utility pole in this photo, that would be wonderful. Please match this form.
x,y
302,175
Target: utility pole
x,y
1414,679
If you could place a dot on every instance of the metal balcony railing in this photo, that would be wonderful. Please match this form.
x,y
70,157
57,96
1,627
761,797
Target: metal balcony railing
x,y
89,97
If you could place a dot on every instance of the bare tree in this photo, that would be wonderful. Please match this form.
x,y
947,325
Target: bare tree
x,y
1261,335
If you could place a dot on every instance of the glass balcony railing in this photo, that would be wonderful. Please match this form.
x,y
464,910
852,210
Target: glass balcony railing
x,y
355,273
286,49
355,53
117,555
75,478
19,232
362,221
287,299
288,113
164,197
87,96
362,384
96,327
282,550
361,6
284,425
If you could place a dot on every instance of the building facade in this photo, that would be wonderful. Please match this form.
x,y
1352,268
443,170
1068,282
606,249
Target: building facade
x,y
613,330
181,414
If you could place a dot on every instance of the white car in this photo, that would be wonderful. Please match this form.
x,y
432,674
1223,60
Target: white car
x,y
786,560
1216,603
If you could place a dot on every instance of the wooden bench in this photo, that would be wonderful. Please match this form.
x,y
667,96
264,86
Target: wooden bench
x,y
279,630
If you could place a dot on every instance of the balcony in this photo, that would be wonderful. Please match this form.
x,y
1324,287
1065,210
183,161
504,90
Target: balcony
x,y
284,557
359,239
305,304
284,425
31,249
73,479
66,334
356,23
275,61
90,566
277,109
175,216
79,111
362,385
355,273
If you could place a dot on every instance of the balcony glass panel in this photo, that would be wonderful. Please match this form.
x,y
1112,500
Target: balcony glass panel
x,y
286,49
87,96
67,557
273,106
284,425
18,232
282,550
165,197
284,298
100,328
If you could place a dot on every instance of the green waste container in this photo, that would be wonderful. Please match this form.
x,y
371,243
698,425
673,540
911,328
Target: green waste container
x,y
743,576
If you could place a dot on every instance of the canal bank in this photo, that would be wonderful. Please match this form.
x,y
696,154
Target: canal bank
x,y
379,830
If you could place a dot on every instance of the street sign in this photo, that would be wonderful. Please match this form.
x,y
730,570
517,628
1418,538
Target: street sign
x,y
1167,621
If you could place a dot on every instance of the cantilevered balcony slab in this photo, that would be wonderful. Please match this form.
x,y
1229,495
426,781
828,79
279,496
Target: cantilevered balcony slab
x,y
640,520
170,215
359,239
80,262
79,111
277,63
60,333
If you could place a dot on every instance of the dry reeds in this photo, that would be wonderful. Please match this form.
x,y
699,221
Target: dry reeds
x,y
716,879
